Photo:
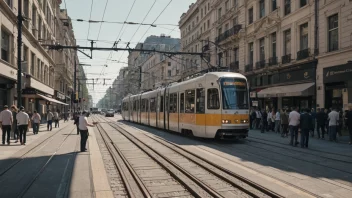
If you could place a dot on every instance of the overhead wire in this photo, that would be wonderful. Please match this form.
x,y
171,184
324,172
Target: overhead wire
x,y
106,5
90,16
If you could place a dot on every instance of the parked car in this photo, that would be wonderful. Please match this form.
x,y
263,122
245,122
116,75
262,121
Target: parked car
x,y
110,113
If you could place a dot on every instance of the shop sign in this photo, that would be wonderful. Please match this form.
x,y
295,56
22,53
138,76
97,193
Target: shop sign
x,y
253,94
59,95
254,103
29,91
337,73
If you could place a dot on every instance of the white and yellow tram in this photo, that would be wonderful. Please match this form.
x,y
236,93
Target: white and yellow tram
x,y
214,105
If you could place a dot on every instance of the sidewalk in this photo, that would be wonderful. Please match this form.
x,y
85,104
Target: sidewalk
x,y
324,145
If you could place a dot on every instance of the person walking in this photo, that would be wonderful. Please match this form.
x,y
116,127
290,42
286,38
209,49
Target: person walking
x,y
6,120
321,120
306,122
76,121
65,116
56,118
349,122
333,118
16,134
269,119
23,122
36,122
49,118
258,118
83,129
284,123
277,122
293,120
314,115
264,121
252,118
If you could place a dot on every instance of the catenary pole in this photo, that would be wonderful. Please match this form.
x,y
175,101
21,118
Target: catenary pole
x,y
19,55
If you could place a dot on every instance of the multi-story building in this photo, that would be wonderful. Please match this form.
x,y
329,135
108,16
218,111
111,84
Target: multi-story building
x,y
334,83
38,63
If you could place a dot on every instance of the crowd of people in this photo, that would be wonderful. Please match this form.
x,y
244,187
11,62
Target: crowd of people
x,y
20,121
291,121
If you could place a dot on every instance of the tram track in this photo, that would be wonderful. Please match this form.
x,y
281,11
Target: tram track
x,y
216,181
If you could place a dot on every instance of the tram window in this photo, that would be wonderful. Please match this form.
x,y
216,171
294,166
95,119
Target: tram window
x,y
146,105
161,103
134,105
182,103
143,105
152,105
200,102
213,99
190,96
137,105
173,103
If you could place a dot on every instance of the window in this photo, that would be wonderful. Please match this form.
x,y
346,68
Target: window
x,y
234,93
261,8
262,49
25,53
227,5
250,58
26,11
200,105
213,99
201,13
219,31
38,68
250,16
287,7
287,42
182,103
333,33
303,3
219,13
273,44
169,63
304,36
273,5
32,64
152,105
235,54
190,96
173,103
40,28
235,21
5,46
169,73
235,3
9,3
34,20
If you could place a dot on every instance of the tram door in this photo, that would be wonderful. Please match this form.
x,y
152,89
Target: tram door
x,y
166,110
200,112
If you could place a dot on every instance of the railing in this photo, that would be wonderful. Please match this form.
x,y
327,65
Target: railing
x,y
302,54
260,64
234,30
234,66
248,67
273,61
286,58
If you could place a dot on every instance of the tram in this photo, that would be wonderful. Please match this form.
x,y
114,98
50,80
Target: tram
x,y
214,105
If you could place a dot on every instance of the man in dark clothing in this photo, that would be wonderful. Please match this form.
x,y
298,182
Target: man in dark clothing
x,y
349,122
306,122
264,121
321,120
76,122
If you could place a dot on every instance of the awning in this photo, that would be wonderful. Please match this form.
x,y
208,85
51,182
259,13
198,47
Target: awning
x,y
306,89
51,100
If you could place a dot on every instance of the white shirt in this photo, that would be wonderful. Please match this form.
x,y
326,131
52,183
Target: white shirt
x,y
277,116
83,123
56,115
259,114
36,118
294,118
50,116
6,117
22,118
270,115
333,118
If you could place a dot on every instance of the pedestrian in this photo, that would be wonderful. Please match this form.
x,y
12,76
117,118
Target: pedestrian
x,y
340,124
23,122
326,111
49,118
349,122
14,123
65,116
277,122
6,120
252,117
321,120
258,118
306,125
284,123
264,121
273,118
293,120
56,118
269,119
333,124
314,115
76,122
83,129
36,122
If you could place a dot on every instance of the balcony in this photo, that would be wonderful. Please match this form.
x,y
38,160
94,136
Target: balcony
x,y
303,54
234,66
286,59
248,67
260,64
230,32
273,61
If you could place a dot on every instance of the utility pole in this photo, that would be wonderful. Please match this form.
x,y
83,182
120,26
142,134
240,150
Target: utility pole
x,y
110,99
19,55
75,85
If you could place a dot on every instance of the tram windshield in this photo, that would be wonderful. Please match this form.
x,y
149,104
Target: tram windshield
x,y
234,93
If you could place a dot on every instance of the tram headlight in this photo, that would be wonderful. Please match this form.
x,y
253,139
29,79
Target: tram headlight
x,y
226,121
244,121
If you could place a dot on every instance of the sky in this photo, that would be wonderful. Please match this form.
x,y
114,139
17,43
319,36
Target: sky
x,y
107,33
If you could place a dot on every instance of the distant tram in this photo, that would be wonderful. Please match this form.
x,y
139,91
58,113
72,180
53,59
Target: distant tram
x,y
214,105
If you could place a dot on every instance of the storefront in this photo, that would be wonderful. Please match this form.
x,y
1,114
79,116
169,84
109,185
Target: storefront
x,y
59,96
338,86
8,77
285,88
